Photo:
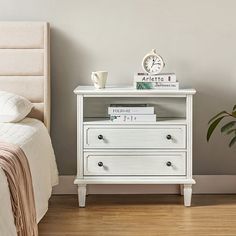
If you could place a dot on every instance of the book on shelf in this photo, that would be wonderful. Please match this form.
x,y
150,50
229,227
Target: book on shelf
x,y
133,118
128,109
129,105
157,85
145,77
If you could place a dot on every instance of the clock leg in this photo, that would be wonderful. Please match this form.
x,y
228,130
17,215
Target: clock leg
x,y
82,195
187,194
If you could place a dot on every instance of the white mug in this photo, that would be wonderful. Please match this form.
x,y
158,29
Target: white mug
x,y
99,79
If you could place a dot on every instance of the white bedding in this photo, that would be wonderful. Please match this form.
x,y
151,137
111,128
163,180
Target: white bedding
x,y
33,138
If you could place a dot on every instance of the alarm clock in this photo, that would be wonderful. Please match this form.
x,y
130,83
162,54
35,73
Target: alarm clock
x,y
153,63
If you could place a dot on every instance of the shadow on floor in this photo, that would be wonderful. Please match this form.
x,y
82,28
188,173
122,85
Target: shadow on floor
x,y
146,199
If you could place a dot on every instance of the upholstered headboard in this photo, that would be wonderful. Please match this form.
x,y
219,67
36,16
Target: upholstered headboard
x,y
24,64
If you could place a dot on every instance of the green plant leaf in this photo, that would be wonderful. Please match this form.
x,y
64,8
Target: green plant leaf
x,y
228,126
234,108
234,114
231,131
232,142
216,116
213,126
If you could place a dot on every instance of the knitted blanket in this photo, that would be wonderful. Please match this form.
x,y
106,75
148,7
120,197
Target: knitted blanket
x,y
16,167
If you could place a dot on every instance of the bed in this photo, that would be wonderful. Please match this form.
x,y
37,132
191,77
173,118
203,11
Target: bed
x,y
25,70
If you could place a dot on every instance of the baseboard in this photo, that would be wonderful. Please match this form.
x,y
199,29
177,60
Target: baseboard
x,y
205,184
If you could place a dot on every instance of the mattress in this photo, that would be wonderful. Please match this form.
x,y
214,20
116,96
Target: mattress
x,y
33,138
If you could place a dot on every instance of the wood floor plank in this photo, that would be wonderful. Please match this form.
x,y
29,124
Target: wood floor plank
x,y
140,215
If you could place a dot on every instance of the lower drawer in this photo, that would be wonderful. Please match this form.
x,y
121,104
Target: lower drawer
x,y
135,164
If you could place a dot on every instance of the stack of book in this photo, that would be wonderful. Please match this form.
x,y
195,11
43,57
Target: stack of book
x,y
131,113
159,81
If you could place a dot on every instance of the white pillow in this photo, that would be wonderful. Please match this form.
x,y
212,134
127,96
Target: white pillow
x,y
13,108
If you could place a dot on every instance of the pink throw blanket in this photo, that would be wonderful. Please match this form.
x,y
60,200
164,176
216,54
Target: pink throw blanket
x,y
16,167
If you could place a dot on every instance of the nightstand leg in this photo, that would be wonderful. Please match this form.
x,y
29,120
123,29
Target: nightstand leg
x,y
181,189
82,194
187,194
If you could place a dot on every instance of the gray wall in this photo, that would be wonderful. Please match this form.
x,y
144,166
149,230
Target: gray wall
x,y
197,39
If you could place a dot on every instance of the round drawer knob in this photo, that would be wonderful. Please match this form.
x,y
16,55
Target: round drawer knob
x,y
100,136
168,136
100,164
168,163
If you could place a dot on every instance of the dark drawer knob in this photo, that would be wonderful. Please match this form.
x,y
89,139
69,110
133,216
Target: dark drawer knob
x,y
100,136
168,136
100,164
168,163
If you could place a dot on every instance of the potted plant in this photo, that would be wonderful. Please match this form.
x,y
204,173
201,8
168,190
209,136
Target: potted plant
x,y
229,128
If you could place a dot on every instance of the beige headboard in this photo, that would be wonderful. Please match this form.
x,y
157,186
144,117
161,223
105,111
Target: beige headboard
x,y
24,64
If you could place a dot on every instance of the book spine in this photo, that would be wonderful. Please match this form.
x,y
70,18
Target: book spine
x,y
157,85
133,118
129,105
130,110
155,78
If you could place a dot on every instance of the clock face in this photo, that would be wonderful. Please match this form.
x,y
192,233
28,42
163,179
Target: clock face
x,y
153,63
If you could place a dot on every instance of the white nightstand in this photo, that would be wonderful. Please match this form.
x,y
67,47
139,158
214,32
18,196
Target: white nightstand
x,y
134,153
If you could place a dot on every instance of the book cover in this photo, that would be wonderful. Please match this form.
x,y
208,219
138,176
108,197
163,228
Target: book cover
x,y
133,118
144,77
157,85
130,110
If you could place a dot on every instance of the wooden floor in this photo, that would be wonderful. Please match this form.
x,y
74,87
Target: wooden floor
x,y
136,215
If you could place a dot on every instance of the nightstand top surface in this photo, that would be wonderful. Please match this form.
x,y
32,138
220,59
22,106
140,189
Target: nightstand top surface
x,y
128,90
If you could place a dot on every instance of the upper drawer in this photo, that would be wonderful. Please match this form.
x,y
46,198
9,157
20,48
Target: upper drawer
x,y
135,136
